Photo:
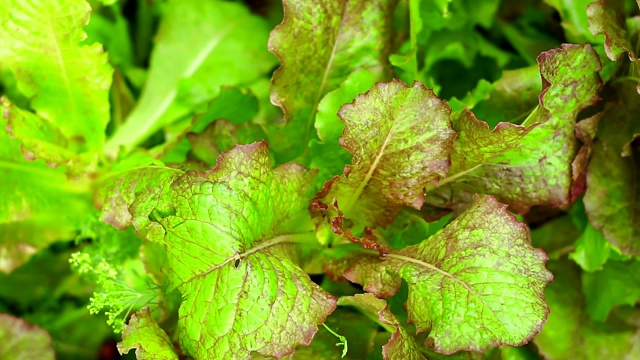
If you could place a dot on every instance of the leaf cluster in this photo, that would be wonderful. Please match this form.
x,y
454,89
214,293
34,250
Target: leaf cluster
x,y
383,179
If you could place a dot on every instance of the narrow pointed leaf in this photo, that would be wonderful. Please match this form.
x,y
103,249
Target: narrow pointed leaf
x,y
400,138
69,83
319,44
230,237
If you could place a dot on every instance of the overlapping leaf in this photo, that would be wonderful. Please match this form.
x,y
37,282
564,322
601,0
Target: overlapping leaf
x,y
612,200
39,204
607,17
401,345
400,138
200,46
68,83
150,341
618,283
319,44
529,164
230,237
477,283
570,334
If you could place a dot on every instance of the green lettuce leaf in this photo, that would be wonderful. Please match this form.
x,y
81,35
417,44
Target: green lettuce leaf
x,y
326,154
22,340
401,345
150,341
319,44
476,283
591,250
400,138
618,283
528,164
39,203
612,199
68,83
230,237
570,334
200,46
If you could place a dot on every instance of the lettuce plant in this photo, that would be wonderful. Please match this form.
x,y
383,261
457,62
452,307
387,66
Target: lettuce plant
x,y
312,179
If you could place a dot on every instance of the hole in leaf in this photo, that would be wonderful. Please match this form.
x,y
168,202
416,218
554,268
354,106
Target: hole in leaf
x,y
158,214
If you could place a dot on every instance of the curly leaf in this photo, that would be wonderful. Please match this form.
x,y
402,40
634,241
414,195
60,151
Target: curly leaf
x,y
476,283
230,237
607,17
150,341
400,138
68,83
319,44
529,164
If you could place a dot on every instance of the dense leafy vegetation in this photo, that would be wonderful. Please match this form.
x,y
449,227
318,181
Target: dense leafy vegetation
x,y
383,179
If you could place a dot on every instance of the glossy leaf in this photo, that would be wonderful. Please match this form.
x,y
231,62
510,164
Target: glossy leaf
x,y
237,254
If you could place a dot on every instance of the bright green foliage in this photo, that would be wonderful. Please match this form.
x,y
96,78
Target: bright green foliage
x,y
327,154
68,83
400,138
401,345
570,334
472,285
246,266
185,74
510,161
612,200
414,125
618,283
592,250
22,340
39,205
150,341
340,36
